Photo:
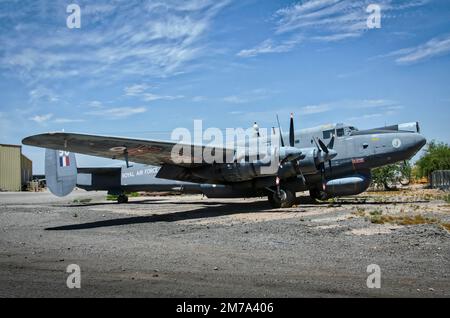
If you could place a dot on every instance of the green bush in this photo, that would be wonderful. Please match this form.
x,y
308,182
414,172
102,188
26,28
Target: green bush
x,y
437,157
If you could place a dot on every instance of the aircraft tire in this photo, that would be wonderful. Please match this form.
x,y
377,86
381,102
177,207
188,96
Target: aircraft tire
x,y
318,195
122,199
287,199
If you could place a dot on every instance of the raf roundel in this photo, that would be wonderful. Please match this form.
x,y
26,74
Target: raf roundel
x,y
396,143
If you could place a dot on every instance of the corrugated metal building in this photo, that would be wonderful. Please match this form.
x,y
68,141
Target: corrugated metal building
x,y
15,169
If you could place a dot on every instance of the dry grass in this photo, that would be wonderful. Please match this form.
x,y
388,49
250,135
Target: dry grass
x,y
402,220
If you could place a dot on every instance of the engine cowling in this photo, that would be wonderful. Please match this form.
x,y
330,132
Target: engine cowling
x,y
309,164
351,185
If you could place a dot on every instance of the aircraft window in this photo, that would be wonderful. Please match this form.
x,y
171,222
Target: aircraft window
x,y
340,132
327,134
297,141
352,128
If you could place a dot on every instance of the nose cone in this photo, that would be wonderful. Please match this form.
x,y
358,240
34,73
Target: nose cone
x,y
420,141
413,143
331,154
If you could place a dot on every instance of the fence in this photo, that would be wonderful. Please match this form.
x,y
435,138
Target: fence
x,y
440,179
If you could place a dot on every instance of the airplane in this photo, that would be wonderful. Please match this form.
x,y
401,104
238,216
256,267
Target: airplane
x,y
340,168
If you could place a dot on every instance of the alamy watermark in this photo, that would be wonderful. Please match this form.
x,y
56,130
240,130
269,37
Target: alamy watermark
x,y
73,21
374,279
259,146
374,19
74,279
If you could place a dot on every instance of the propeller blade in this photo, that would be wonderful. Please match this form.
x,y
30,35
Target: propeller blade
x,y
331,143
322,173
331,170
315,141
323,147
291,132
281,134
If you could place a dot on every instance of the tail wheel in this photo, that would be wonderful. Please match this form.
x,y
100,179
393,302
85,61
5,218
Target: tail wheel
x,y
286,199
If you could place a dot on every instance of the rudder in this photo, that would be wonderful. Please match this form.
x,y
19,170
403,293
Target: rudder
x,y
60,171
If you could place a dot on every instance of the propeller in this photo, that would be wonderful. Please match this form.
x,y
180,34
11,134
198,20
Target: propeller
x,y
291,132
279,129
327,155
289,154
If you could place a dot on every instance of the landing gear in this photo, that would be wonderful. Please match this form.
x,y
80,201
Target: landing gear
x,y
122,198
318,194
285,199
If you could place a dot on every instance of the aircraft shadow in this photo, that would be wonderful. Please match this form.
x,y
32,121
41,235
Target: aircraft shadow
x,y
108,203
209,210
201,213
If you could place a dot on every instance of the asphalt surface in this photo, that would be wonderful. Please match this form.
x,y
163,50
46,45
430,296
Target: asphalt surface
x,y
188,246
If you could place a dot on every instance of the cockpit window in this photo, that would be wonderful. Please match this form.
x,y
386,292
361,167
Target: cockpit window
x,y
328,133
352,128
340,132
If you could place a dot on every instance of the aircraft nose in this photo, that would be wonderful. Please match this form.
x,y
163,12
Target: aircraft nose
x,y
420,141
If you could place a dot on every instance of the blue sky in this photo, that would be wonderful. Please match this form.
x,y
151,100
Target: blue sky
x,y
143,68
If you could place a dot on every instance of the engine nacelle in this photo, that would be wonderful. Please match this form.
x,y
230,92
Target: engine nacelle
x,y
308,164
351,185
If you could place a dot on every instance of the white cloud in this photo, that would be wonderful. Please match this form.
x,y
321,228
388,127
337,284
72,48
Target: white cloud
x,y
117,112
43,94
96,104
249,96
152,97
324,21
437,46
314,109
269,46
117,39
67,120
141,90
136,89
40,119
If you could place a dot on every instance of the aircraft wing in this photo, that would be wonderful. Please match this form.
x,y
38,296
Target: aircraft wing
x,y
150,152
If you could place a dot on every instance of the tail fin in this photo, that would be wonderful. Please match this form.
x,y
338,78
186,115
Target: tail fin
x,y
60,171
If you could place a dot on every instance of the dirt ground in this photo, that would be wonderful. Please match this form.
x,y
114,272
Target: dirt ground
x,y
189,246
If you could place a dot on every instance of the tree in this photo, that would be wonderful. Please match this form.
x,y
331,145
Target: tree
x,y
390,175
436,157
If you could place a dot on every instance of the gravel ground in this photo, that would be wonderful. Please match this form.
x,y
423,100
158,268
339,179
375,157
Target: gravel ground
x,y
188,246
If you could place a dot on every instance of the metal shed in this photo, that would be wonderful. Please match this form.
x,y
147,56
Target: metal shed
x,y
15,168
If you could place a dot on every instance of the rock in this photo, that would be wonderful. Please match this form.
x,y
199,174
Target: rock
x,y
431,289
216,268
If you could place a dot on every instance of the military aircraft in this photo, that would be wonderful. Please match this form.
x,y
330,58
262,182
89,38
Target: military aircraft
x,y
339,168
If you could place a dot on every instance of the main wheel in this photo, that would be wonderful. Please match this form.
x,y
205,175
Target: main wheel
x,y
285,200
122,198
318,195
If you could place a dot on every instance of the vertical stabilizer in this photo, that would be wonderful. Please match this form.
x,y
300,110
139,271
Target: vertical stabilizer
x,y
60,171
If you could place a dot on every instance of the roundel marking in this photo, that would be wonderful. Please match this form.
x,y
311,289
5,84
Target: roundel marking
x,y
396,143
